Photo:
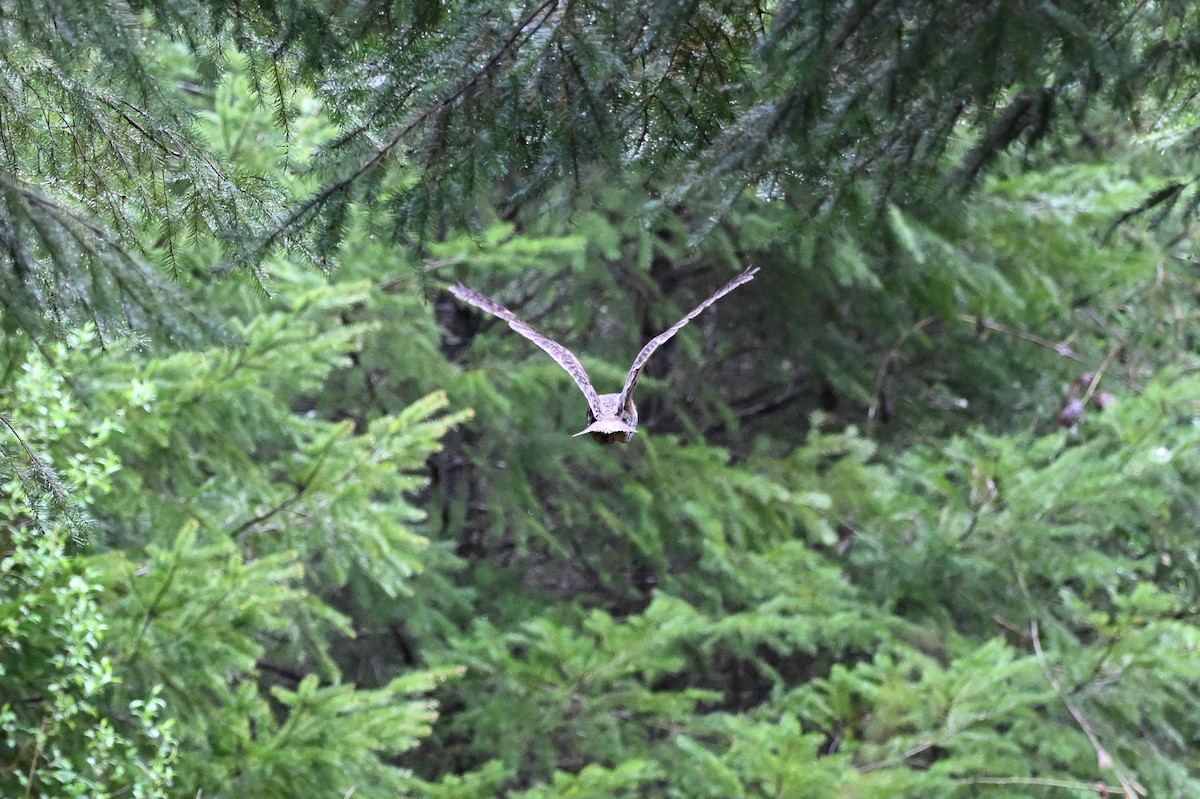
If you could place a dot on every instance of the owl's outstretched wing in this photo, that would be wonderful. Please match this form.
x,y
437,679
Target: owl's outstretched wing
x,y
563,356
639,362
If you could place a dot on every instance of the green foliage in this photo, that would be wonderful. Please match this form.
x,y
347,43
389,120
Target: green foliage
x,y
67,729
68,725
1009,616
439,115
235,524
911,515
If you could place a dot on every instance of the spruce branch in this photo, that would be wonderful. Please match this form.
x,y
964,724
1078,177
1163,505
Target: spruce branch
x,y
306,210
44,478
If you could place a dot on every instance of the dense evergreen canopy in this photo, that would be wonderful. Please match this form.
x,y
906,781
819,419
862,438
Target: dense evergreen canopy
x,y
912,514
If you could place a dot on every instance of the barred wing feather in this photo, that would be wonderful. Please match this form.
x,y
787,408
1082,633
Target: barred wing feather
x,y
639,362
563,356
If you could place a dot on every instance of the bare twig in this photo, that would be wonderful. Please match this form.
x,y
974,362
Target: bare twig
x,y
881,372
1061,348
898,759
1049,782
1130,787
1099,373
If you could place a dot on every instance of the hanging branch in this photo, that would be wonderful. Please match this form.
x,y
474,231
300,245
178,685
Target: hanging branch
x,y
528,26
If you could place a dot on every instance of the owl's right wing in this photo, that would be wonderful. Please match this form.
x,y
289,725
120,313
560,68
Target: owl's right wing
x,y
563,356
639,362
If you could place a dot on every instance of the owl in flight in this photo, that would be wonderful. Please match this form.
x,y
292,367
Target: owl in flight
x,y
612,418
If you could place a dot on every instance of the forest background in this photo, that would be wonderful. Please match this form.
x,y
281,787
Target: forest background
x,y
913,514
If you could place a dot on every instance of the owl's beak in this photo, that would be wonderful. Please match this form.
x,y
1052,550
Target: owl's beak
x,y
606,427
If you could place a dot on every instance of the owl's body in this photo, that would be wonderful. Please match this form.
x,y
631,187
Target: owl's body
x,y
612,418
615,424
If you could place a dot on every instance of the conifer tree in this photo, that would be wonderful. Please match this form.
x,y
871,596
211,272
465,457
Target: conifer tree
x,y
841,108
912,516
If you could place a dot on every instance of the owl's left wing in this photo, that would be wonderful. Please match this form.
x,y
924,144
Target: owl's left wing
x,y
562,356
639,362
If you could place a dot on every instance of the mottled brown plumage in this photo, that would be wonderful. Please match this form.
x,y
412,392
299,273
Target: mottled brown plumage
x,y
612,418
